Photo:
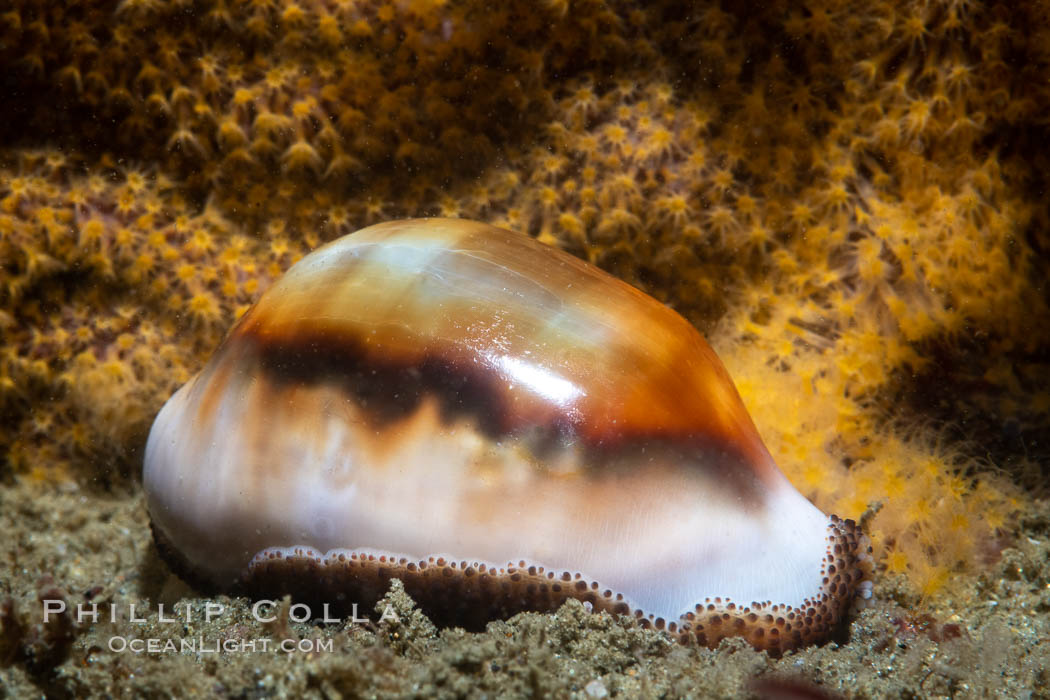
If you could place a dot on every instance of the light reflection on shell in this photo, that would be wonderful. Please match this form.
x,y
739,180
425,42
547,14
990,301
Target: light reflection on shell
x,y
501,426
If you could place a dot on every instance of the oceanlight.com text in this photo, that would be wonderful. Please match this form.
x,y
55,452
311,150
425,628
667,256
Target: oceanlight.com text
x,y
119,645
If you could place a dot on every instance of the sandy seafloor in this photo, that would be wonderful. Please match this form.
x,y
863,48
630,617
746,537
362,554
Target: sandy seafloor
x,y
991,640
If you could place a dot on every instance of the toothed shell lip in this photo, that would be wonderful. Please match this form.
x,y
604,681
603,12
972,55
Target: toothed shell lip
x,y
470,594
529,415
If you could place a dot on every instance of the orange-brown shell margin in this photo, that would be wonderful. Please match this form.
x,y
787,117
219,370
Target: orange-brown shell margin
x,y
653,378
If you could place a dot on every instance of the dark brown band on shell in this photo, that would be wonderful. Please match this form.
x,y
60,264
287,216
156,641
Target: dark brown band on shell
x,y
469,595
458,309
388,388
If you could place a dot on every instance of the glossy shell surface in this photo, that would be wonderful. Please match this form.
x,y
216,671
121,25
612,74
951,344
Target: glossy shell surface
x,y
500,425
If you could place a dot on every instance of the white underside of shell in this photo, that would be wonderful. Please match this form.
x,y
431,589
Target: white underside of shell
x,y
302,467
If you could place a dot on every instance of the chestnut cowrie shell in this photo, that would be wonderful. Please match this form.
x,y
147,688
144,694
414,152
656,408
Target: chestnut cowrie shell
x,y
501,426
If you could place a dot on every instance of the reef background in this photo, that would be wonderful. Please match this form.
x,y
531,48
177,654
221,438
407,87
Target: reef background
x,y
848,198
